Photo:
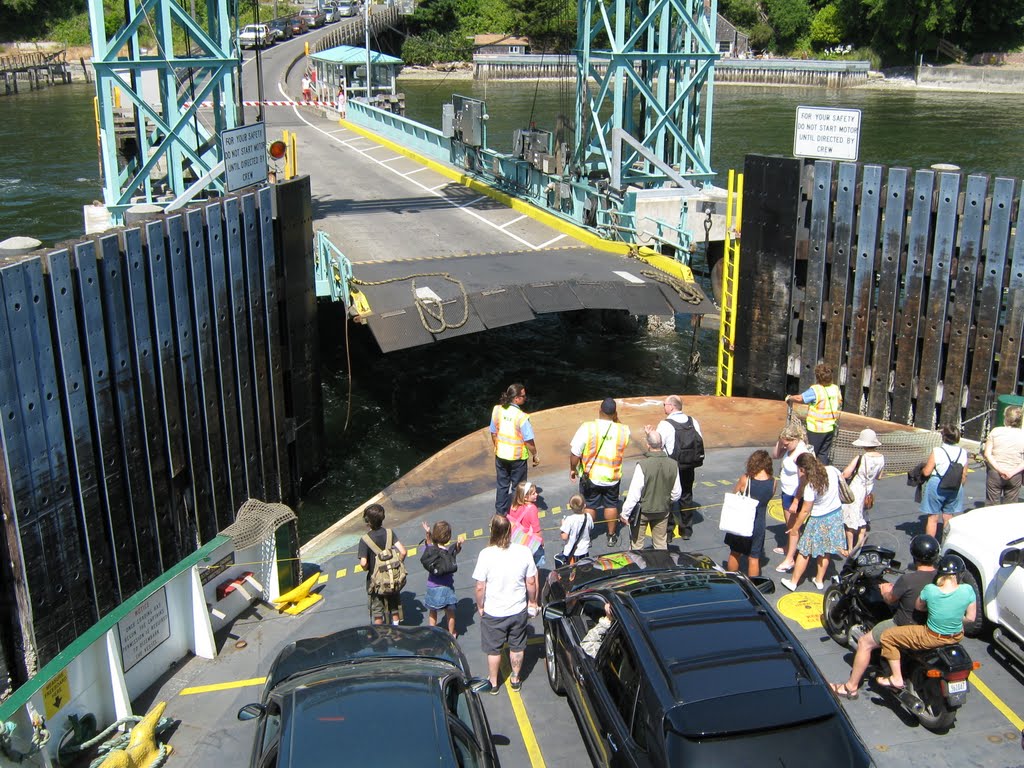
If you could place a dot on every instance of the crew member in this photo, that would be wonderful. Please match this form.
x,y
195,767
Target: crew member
x,y
512,435
595,457
903,594
826,403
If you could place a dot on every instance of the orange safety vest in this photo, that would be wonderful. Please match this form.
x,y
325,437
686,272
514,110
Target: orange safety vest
x,y
604,465
823,413
509,422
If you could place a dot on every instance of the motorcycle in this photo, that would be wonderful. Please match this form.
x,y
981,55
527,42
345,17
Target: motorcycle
x,y
936,680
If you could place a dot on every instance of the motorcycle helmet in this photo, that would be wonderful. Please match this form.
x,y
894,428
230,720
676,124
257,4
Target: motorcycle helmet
x,y
924,549
951,565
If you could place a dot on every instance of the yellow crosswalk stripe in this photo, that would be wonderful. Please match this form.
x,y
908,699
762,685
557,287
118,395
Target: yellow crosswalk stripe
x,y
341,573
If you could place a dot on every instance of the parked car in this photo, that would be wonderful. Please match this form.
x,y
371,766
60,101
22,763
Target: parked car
x,y
299,25
326,696
991,542
281,29
313,16
694,667
345,10
255,36
330,13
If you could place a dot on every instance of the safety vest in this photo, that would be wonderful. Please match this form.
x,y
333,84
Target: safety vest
x,y
509,422
604,465
824,411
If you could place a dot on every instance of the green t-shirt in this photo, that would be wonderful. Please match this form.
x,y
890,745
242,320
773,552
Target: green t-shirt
x,y
946,609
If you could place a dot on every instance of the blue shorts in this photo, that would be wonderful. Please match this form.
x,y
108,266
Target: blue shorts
x,y
598,497
439,598
936,502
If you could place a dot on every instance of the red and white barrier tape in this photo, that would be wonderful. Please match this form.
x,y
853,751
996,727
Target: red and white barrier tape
x,y
332,104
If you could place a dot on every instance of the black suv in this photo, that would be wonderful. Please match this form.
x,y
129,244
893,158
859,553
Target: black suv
x,y
693,668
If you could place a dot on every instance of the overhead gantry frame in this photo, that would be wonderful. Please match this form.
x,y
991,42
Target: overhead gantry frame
x,y
162,93
645,90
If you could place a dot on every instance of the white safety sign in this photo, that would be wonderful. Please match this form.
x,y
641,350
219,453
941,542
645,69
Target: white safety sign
x,y
245,156
824,133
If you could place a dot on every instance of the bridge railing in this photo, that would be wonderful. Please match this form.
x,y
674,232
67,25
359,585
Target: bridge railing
x,y
416,136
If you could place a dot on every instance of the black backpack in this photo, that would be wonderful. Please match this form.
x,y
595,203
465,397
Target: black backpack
x,y
953,477
688,450
438,561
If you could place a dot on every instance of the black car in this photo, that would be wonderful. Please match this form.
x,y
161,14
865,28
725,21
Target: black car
x,y
367,693
694,667
282,29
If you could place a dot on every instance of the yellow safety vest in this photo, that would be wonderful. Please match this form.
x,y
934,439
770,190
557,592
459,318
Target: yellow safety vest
x,y
823,413
509,422
604,465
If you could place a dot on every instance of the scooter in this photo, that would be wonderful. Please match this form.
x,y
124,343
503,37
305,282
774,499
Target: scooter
x,y
936,680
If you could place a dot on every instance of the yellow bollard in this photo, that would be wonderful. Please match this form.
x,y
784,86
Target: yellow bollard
x,y
117,97
295,154
307,47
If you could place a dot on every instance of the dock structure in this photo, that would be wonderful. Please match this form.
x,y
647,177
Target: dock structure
x,y
33,70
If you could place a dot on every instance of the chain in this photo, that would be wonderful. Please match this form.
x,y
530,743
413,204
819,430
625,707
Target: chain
x,y
428,307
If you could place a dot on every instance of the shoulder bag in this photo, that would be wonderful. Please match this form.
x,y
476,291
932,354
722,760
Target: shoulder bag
x,y
738,512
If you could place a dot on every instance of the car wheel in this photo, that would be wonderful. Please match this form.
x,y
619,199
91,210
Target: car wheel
x,y
836,626
551,663
974,628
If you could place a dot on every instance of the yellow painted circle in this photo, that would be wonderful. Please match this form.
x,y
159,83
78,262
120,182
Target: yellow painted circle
x,y
802,607
775,510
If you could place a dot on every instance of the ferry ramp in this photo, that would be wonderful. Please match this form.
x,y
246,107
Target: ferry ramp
x,y
409,224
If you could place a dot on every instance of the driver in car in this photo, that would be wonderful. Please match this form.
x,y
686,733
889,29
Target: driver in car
x,y
902,594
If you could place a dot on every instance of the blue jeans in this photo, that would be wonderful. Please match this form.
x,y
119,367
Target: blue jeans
x,y
510,473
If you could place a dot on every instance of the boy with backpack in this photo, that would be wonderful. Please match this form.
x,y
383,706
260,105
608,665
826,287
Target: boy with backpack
x,y
382,556
438,559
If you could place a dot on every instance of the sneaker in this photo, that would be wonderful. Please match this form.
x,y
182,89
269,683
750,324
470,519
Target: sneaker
x,y
490,688
613,539
818,585
788,584
515,685
685,536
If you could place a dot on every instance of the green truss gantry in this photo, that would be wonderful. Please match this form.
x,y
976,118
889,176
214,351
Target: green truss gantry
x,y
164,147
645,90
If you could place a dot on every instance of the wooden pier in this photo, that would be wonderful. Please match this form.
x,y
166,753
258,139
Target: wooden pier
x,y
909,283
33,71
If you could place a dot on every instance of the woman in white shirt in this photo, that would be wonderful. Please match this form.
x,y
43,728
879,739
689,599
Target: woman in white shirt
x,y
861,473
792,443
822,512
936,501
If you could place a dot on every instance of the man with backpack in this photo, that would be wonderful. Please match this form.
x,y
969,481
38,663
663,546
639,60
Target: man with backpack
x,y
382,556
684,442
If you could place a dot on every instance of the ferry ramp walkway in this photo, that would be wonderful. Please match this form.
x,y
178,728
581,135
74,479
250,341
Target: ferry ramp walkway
x,y
535,727
400,218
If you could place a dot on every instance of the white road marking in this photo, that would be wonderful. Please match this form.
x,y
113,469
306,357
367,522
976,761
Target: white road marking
x,y
416,170
552,241
455,204
628,277
390,159
510,223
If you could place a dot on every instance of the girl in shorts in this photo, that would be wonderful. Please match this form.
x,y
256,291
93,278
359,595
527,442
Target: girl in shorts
x,y
441,586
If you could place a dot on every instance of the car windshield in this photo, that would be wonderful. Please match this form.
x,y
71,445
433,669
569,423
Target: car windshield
x,y
363,719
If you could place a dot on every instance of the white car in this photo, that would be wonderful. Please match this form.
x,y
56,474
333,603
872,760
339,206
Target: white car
x,y
991,542
255,35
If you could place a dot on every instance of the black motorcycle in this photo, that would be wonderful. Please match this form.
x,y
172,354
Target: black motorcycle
x,y
936,679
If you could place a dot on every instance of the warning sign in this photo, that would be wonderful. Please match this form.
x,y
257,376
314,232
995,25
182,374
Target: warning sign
x,y
802,607
56,694
827,134
245,156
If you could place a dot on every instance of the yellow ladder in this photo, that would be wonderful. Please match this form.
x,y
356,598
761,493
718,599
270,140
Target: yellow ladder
x,y
730,285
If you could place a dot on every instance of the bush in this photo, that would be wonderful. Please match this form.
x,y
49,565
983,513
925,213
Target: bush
x,y
424,50
826,28
762,37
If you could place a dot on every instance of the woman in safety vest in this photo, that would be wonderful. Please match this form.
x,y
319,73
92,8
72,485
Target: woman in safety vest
x,y
826,403
512,436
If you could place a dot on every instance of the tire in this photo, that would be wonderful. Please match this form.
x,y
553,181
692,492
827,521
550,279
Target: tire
x,y
936,716
974,628
551,663
837,630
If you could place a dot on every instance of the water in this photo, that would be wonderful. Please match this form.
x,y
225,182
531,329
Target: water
x,y
405,406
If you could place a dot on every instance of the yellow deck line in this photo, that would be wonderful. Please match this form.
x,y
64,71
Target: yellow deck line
x,y
1004,709
522,719
222,686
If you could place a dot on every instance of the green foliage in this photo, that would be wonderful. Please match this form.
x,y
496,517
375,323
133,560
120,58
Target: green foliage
x,y
424,50
550,24
790,19
73,30
762,37
742,13
826,27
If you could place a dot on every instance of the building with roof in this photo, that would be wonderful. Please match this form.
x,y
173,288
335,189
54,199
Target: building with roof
x,y
501,45
344,67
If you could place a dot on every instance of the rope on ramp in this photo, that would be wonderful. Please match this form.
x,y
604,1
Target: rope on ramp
x,y
429,308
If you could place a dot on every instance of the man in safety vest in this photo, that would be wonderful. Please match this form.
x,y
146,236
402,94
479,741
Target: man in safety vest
x,y
595,457
826,403
512,435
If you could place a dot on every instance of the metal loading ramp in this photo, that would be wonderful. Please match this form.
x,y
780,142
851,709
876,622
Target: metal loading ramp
x,y
419,301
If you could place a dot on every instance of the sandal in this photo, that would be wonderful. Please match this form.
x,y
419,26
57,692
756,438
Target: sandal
x,y
841,691
886,682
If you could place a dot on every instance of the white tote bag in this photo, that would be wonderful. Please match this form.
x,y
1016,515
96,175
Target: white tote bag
x,y
738,512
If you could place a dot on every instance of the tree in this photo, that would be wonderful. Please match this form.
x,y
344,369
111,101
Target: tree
x,y
550,24
789,18
826,28
742,13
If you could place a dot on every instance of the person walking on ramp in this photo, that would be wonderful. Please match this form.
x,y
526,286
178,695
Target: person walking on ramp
x,y
595,457
512,435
